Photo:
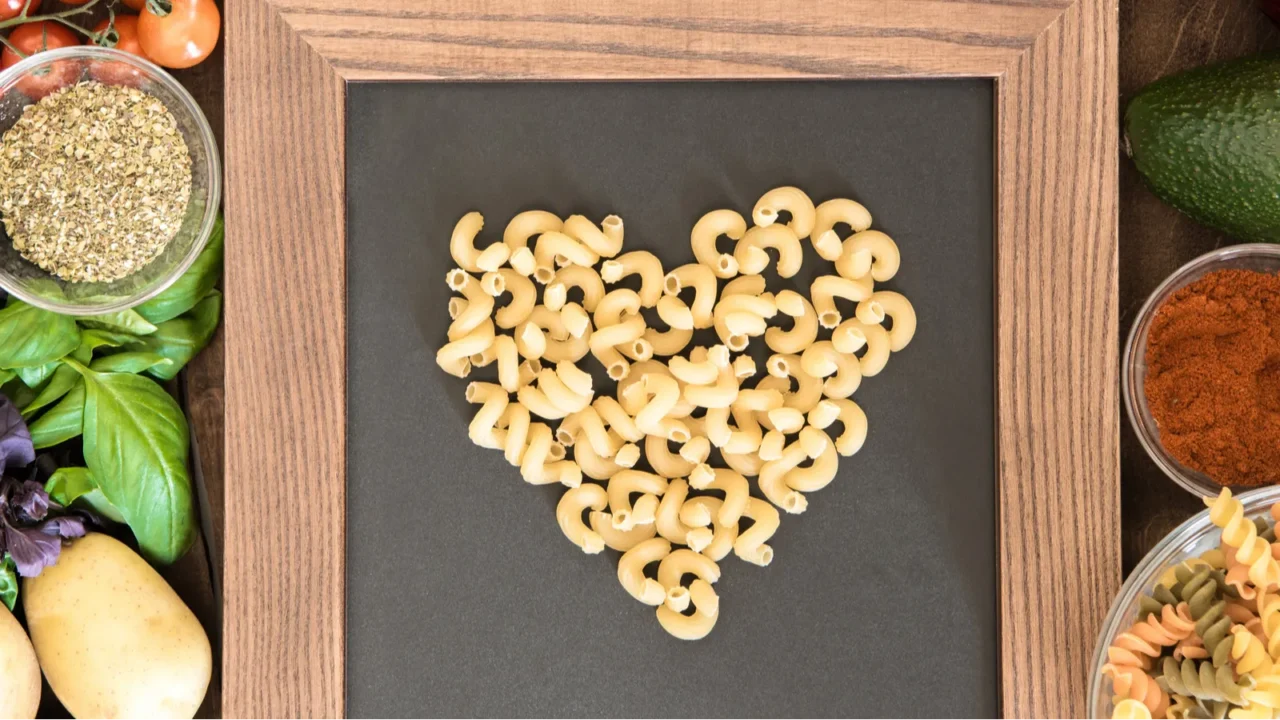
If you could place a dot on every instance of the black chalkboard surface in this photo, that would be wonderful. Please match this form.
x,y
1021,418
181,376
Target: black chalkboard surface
x,y
464,598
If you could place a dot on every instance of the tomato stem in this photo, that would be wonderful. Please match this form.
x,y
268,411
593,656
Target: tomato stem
x,y
12,48
22,18
159,8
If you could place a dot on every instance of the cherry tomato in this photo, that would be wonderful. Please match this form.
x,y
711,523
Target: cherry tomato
x,y
31,38
135,4
183,36
126,39
11,8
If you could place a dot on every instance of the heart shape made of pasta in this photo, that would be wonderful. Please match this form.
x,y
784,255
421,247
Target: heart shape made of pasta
x,y
729,422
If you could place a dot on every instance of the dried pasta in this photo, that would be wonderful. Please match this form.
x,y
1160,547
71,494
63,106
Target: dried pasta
x,y
703,237
531,309
1204,641
642,263
569,516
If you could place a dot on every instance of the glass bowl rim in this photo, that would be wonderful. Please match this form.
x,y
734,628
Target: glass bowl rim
x,y
1146,438
1154,563
213,202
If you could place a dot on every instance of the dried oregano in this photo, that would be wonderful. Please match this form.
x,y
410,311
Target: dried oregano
x,y
94,181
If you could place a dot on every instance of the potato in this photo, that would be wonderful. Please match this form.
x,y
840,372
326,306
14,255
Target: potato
x,y
19,672
113,638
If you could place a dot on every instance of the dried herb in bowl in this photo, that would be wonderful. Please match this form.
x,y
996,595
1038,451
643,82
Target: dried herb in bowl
x,y
94,181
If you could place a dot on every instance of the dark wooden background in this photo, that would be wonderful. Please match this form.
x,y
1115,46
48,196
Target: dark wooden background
x,y
1157,38
196,577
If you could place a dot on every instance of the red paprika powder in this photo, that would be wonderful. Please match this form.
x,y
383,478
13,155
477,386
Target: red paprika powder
x,y
1213,376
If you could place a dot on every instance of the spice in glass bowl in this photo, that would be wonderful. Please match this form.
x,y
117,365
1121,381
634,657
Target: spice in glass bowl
x,y
1213,376
94,181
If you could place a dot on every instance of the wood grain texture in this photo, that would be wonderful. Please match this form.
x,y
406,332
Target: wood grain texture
x,y
1055,68
1056,360
285,339
1159,38
411,39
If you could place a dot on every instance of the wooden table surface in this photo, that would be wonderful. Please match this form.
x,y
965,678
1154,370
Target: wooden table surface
x,y
1157,37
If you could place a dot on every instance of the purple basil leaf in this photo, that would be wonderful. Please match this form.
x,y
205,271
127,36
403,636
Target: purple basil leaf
x,y
67,527
32,500
32,550
16,449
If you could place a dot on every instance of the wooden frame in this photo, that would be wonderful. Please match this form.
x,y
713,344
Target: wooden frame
x,y
288,62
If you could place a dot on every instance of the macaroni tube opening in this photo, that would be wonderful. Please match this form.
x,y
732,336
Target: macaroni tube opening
x,y
671,284
618,370
766,216
678,434
642,350
870,312
544,274
493,283
622,520
737,343
778,366
457,279
764,556
829,319
727,265
678,599
556,451
794,503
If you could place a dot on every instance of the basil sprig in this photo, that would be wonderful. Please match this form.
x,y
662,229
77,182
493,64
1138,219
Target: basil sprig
x,y
88,378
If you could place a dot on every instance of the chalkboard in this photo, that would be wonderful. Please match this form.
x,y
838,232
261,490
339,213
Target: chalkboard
x,y
463,596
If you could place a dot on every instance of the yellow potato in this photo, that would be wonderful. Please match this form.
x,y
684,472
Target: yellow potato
x,y
114,640
19,673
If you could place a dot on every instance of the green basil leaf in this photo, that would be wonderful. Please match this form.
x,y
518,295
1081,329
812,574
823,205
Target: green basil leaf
x,y
61,422
91,340
128,321
192,287
184,337
6,376
64,378
135,444
18,393
30,337
8,582
130,362
34,377
71,484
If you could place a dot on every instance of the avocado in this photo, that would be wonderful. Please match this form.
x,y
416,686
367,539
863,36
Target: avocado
x,y
1208,143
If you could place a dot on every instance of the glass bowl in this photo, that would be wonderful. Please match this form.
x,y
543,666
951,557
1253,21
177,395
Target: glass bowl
x,y
1187,541
1261,257
30,283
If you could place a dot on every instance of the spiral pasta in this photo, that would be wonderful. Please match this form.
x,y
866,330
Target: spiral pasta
x,y
1203,681
1227,513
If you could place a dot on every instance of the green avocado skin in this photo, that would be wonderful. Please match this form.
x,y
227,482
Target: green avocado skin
x,y
1208,143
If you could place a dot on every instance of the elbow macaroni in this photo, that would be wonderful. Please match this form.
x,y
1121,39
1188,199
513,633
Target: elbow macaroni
x,y
642,263
666,392
703,241
786,199
752,258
